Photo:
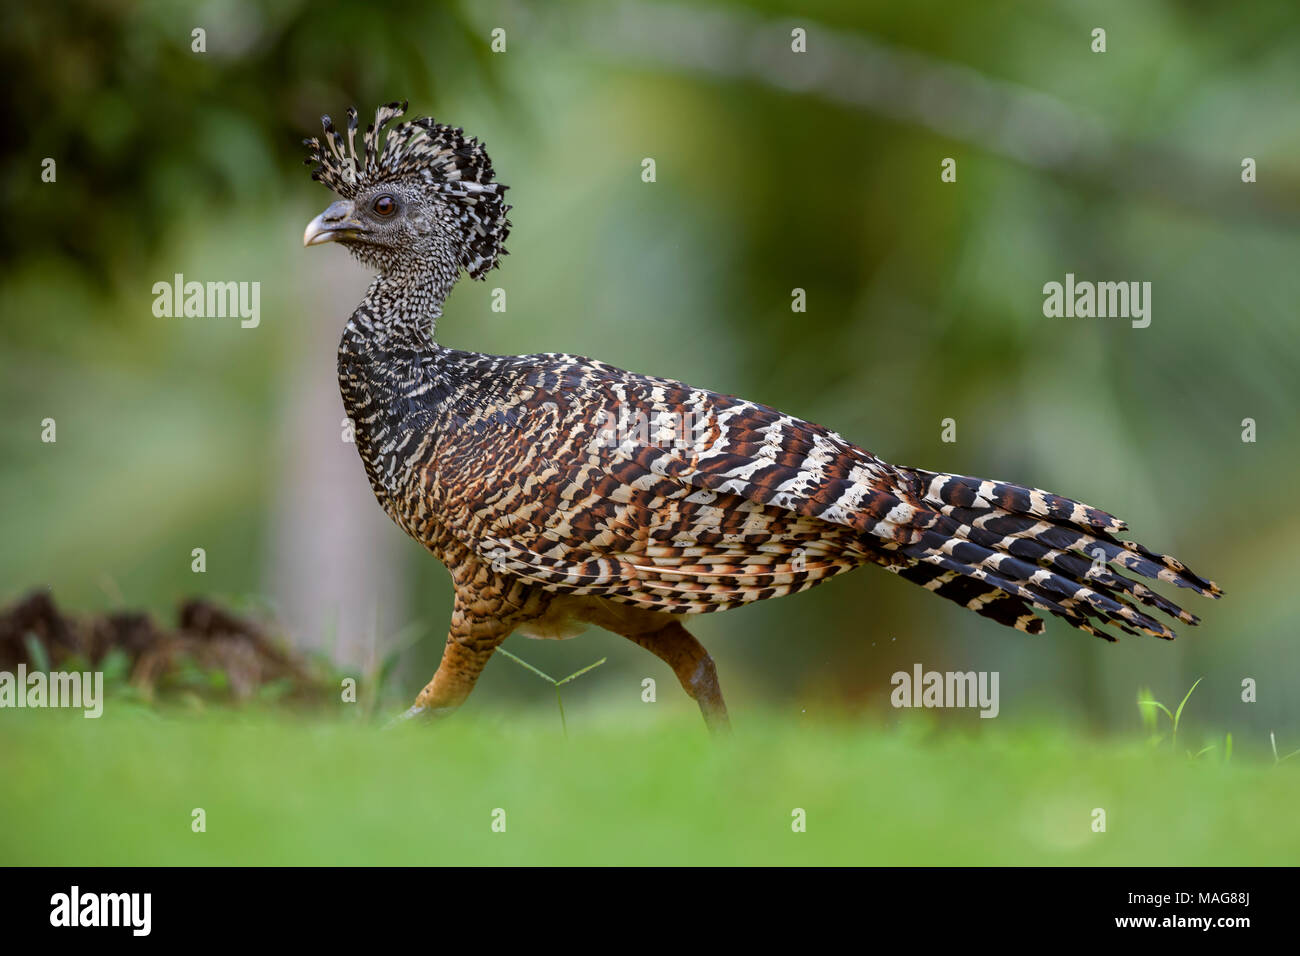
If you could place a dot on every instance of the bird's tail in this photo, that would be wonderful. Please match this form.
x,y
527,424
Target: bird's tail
x,y
1004,551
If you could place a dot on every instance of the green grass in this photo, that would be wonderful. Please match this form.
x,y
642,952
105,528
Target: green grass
x,y
293,790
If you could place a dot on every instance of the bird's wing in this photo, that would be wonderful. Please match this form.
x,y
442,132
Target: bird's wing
x,y
582,477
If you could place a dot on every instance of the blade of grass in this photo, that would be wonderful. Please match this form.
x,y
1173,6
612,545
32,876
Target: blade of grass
x,y
524,663
589,667
36,651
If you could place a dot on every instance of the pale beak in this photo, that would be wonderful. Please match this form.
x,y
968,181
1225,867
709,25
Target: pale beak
x,y
335,223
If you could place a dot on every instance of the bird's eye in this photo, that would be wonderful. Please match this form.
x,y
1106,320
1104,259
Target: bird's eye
x,y
384,206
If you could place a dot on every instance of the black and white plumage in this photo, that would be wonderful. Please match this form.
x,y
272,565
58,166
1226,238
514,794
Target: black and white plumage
x,y
561,491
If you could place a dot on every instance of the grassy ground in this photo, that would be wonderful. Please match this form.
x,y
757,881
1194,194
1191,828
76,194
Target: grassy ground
x,y
289,790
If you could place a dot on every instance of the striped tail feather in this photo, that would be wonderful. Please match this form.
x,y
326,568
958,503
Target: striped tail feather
x,y
973,594
1003,551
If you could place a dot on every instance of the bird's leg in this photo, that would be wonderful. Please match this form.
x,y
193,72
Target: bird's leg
x,y
457,673
678,648
473,637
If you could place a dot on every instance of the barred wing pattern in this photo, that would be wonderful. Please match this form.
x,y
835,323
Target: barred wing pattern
x,y
532,476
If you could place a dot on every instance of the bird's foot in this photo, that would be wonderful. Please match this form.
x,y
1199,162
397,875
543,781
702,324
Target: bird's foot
x,y
423,711
410,713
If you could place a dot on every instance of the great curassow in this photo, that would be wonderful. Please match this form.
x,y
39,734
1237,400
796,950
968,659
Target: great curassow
x,y
562,492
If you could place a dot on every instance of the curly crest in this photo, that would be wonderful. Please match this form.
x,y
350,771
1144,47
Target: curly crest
x,y
453,166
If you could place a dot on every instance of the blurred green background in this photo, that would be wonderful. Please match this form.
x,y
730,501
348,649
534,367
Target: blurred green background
x,y
775,171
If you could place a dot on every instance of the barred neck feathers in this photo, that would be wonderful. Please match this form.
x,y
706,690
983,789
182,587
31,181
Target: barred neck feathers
x,y
404,308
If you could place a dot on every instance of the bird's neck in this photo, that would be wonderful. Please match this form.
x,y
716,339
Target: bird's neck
x,y
387,358
404,302
388,348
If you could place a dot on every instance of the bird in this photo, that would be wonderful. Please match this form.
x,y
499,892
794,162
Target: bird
x,y
561,492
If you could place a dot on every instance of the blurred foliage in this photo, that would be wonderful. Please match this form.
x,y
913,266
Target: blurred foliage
x,y
144,128
924,298
211,655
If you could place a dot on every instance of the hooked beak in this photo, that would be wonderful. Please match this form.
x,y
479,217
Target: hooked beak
x,y
335,223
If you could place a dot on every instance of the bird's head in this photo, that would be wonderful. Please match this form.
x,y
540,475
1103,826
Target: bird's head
x,y
417,201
